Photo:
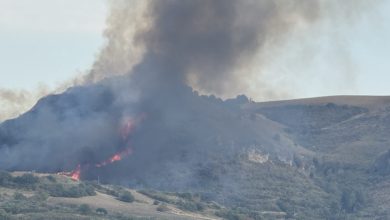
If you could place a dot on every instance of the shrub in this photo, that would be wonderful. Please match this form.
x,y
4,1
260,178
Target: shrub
x,y
101,211
27,180
352,201
112,192
19,196
126,197
163,208
89,190
76,191
191,206
40,196
156,195
4,215
84,209
229,215
187,196
54,189
51,179
5,178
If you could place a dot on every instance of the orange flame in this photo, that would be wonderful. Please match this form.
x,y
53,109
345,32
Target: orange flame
x,y
116,157
75,175
126,129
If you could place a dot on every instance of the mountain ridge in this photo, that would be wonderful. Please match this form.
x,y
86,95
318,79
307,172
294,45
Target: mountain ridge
x,y
303,157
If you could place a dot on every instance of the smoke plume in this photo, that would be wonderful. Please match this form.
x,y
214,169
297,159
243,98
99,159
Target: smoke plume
x,y
200,43
209,45
15,102
161,48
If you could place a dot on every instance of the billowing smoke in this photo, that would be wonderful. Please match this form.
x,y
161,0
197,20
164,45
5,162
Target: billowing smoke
x,y
200,43
15,102
159,53
208,45
204,43
211,45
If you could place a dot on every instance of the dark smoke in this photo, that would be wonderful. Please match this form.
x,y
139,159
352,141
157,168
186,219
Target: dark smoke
x,y
185,43
205,42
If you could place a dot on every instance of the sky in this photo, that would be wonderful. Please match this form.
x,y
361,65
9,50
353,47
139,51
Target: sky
x,y
46,42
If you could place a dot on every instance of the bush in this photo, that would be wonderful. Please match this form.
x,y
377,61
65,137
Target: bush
x,y
191,206
19,196
51,179
101,211
126,197
187,196
27,180
89,190
40,196
84,209
163,208
112,192
23,206
157,196
352,201
4,215
76,191
55,190
229,215
5,178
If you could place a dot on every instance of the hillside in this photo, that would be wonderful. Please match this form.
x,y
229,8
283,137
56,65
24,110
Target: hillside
x,y
319,158
50,196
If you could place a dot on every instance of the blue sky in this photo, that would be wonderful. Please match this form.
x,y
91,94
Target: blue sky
x,y
49,41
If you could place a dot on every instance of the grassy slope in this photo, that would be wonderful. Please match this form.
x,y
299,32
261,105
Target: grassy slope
x,y
21,202
347,135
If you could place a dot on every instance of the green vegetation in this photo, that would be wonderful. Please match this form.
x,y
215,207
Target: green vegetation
x,y
191,206
46,185
126,197
159,196
101,211
73,191
19,200
163,208
85,209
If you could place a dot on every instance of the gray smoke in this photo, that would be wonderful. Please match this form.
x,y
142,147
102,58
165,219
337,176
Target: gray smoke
x,y
15,102
176,44
200,43
205,42
209,45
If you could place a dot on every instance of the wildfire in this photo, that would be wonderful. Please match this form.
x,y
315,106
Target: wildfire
x,y
116,157
126,129
75,175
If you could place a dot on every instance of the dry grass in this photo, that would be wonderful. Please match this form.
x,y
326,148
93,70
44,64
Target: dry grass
x,y
143,206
